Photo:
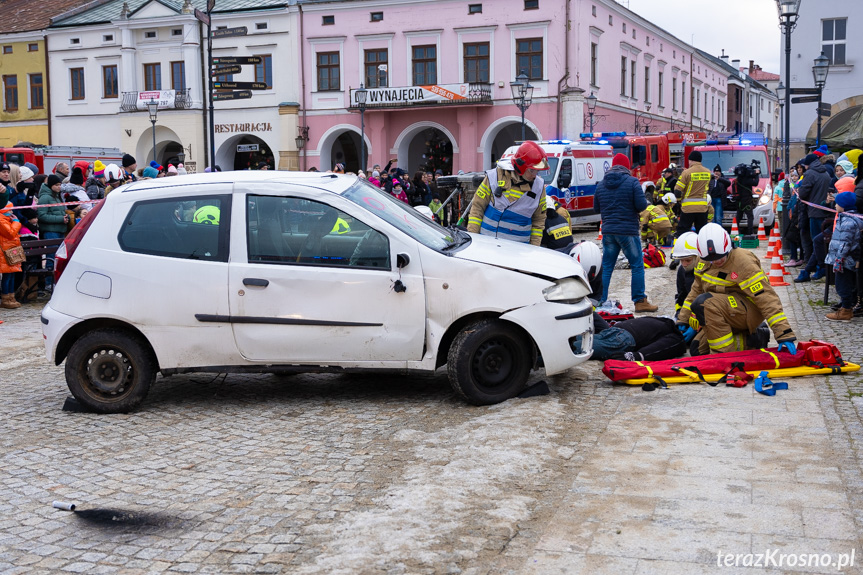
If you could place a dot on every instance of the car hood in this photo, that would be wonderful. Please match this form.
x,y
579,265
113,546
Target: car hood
x,y
519,257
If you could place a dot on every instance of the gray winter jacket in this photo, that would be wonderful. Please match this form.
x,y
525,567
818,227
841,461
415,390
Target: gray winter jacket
x,y
845,243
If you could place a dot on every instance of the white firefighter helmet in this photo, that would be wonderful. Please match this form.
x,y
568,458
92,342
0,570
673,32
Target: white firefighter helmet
x,y
685,245
549,203
713,242
672,166
647,186
669,198
589,256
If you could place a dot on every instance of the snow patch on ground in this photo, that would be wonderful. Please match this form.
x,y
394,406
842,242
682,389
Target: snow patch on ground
x,y
488,458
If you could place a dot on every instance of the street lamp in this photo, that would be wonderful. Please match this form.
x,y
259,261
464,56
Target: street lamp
x,y
362,94
591,107
819,72
522,95
302,136
642,116
153,109
788,12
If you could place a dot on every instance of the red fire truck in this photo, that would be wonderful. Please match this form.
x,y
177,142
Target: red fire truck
x,y
649,154
45,158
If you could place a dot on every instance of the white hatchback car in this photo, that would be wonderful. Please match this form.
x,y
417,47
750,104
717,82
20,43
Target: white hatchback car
x,y
298,272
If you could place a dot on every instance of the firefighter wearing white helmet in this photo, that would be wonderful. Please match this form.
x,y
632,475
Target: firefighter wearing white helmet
x,y
730,297
655,222
686,253
510,202
589,256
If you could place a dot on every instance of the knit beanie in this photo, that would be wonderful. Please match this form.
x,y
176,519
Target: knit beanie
x,y
847,200
98,169
151,172
809,159
844,184
846,165
181,169
128,160
172,169
694,156
621,160
77,177
822,150
53,180
155,166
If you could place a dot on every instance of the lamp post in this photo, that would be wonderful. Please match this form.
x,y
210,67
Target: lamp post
x,y
522,95
788,12
781,93
591,107
362,95
642,116
819,71
153,109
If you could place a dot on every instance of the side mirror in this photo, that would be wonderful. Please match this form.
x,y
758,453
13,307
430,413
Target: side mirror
x,y
564,180
402,260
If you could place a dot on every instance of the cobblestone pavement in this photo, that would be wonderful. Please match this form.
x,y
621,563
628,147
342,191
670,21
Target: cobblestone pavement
x,y
366,474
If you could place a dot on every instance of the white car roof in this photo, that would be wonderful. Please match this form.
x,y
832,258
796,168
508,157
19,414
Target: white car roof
x,y
325,182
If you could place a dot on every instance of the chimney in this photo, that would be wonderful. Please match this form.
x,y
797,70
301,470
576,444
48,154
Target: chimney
x,y
725,56
751,66
736,64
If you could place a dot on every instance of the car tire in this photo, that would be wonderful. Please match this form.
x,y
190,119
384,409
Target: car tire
x,y
489,362
110,371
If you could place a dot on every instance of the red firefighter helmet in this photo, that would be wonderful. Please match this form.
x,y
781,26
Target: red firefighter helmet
x,y
529,156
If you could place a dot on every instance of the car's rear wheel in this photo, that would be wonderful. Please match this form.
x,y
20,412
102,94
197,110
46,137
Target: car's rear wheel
x,y
489,362
110,371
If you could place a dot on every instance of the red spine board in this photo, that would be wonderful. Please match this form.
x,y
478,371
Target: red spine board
x,y
809,353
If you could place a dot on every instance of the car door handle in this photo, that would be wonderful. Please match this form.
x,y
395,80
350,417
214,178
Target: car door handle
x,y
255,282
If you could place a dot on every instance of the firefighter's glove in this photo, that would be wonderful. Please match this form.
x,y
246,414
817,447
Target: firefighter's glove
x,y
788,346
694,323
644,228
689,334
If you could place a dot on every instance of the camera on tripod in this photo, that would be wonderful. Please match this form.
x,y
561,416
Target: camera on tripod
x,y
752,170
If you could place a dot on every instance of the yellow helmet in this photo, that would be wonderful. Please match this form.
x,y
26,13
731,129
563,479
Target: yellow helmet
x,y
207,215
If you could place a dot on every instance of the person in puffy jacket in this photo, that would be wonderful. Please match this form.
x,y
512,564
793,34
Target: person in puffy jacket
x,y
844,254
619,200
9,239
95,186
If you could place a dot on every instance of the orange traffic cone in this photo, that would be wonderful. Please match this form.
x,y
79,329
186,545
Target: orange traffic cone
x,y
599,237
735,233
774,235
762,233
776,270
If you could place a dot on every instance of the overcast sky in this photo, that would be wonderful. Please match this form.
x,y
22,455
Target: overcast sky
x,y
746,29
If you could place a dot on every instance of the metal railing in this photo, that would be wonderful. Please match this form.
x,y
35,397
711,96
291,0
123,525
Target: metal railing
x,y
182,101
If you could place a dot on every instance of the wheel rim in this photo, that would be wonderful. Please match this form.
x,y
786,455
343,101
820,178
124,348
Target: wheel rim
x,y
109,373
493,363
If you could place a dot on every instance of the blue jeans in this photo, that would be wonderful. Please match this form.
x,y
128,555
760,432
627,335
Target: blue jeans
x,y
49,259
612,244
612,342
717,211
7,284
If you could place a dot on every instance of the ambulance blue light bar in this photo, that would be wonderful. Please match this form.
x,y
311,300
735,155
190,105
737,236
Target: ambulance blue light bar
x,y
560,142
586,135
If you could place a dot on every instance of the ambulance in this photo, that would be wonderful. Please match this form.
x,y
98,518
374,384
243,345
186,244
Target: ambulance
x,y
574,169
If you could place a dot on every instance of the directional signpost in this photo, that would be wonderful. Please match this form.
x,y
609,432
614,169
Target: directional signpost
x,y
240,85
803,91
824,110
202,16
226,70
229,32
235,95
236,60
804,99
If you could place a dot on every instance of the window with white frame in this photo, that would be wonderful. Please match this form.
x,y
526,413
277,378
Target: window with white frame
x,y
594,62
623,64
661,88
833,35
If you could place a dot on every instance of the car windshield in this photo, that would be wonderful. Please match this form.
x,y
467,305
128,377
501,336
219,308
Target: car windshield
x,y
730,158
402,216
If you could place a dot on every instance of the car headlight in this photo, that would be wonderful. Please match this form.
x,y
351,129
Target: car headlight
x,y
766,196
567,290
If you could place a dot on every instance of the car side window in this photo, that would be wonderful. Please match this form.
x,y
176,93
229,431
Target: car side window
x,y
286,230
187,228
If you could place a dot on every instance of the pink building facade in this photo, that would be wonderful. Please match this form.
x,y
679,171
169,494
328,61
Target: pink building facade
x,y
439,74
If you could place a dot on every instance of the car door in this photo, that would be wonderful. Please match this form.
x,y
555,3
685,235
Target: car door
x,y
316,284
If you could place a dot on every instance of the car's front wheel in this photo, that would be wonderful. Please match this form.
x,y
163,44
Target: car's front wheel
x,y
110,371
489,362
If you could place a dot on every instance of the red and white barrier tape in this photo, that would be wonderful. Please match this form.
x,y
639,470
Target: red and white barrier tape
x,y
37,206
826,209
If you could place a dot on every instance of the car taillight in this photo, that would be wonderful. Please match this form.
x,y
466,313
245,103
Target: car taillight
x,y
70,244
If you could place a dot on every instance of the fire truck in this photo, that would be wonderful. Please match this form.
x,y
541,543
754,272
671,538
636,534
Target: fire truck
x,y
649,154
730,152
45,158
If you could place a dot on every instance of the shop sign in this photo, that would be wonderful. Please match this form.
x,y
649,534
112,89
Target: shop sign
x,y
243,128
414,94
247,148
165,98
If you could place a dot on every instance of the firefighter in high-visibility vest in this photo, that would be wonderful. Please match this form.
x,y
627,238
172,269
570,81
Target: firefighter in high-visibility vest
x,y
666,183
558,229
730,298
692,189
510,202
655,222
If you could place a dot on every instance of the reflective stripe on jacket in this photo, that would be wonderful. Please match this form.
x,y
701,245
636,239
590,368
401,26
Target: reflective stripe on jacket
x,y
513,214
694,184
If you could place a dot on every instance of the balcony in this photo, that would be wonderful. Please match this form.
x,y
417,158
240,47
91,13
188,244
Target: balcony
x,y
424,96
168,100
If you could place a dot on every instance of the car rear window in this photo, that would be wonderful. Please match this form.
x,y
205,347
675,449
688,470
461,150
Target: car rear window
x,y
187,228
